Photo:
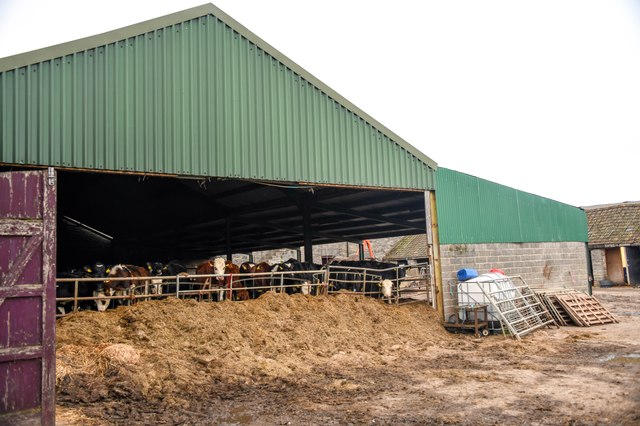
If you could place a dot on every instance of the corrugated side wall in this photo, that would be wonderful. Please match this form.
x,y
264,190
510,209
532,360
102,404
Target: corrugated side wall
x,y
195,98
472,210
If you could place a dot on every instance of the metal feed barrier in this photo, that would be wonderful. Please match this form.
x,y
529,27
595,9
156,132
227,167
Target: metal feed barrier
x,y
413,287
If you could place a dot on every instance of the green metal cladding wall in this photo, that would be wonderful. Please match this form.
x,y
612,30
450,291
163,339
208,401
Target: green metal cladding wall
x,y
195,98
473,210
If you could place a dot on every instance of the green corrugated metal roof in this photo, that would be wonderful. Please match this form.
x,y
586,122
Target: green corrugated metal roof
x,y
193,93
474,210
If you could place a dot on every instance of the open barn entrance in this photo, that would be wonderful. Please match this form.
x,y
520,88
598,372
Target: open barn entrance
x,y
116,217
129,218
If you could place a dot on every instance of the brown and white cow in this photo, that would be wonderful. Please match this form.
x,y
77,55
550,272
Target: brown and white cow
x,y
123,287
208,283
232,282
221,267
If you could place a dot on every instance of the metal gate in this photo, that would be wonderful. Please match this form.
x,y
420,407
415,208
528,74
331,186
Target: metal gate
x,y
27,297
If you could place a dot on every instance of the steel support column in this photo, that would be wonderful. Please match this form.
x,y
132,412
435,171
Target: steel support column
x,y
306,225
433,245
229,248
590,278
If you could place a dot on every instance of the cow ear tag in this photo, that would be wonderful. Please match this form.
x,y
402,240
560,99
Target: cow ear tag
x,y
149,267
108,270
89,270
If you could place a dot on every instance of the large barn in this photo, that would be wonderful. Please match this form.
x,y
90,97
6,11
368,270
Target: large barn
x,y
186,136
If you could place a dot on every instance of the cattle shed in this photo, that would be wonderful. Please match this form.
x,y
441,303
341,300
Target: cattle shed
x,y
188,136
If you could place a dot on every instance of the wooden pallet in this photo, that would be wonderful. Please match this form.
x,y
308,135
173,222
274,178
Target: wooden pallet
x,y
559,315
548,298
585,310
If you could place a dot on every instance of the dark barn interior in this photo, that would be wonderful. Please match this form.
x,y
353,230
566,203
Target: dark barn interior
x,y
115,217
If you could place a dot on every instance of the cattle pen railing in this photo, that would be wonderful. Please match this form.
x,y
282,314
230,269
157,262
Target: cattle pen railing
x,y
411,283
330,280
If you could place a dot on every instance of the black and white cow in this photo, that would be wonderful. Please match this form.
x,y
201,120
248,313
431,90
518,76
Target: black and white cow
x,y
85,289
155,270
296,279
175,268
376,279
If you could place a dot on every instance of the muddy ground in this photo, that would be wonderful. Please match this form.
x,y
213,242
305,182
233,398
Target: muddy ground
x,y
339,360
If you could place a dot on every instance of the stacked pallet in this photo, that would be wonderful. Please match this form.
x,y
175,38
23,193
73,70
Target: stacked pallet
x,y
574,307
549,300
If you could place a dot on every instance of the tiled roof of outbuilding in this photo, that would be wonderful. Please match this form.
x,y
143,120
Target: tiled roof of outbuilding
x,y
614,225
409,247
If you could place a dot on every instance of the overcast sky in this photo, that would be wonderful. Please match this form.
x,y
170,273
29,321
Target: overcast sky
x,y
542,96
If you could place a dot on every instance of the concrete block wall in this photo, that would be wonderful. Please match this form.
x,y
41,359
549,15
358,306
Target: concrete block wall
x,y
547,265
599,263
380,247
274,256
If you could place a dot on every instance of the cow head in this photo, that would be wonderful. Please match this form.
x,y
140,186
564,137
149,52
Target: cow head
x,y
386,286
283,267
219,264
155,268
74,273
102,301
117,271
305,288
100,269
174,267
247,267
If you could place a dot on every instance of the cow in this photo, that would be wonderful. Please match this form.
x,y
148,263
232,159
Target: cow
x,y
86,289
232,282
364,276
248,268
307,278
284,281
155,270
67,289
261,281
208,268
297,281
386,287
175,268
124,287
305,288
97,270
96,288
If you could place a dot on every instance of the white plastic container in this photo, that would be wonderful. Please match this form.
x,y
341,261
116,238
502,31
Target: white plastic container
x,y
470,294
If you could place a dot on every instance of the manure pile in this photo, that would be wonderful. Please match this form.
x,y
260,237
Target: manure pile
x,y
165,351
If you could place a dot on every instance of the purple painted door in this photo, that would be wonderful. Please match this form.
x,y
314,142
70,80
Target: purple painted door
x,y
27,297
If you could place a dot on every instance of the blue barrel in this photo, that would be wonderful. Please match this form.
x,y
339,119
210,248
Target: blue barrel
x,y
466,274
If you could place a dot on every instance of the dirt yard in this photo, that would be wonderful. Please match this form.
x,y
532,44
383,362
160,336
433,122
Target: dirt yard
x,y
339,360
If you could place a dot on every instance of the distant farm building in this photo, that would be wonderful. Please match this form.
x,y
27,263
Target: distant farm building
x,y
614,242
